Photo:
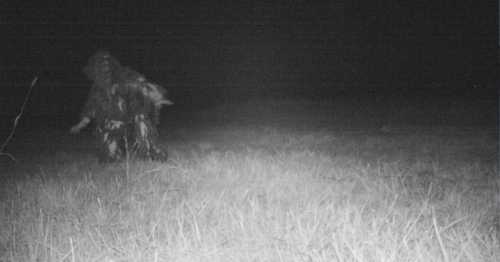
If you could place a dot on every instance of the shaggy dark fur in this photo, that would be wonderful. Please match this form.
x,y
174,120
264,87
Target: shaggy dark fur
x,y
125,108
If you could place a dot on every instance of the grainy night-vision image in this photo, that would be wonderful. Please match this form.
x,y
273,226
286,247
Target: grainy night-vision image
x,y
279,131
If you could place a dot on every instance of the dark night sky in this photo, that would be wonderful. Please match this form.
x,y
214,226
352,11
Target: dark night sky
x,y
212,52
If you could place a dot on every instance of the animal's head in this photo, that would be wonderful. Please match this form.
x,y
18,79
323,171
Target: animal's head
x,y
100,67
157,94
138,82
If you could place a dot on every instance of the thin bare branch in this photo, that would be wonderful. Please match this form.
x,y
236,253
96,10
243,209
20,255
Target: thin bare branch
x,y
16,120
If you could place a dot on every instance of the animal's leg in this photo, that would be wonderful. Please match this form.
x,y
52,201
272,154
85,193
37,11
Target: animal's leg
x,y
111,138
146,139
78,127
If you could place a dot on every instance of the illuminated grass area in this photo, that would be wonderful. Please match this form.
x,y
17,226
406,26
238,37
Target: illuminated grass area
x,y
263,194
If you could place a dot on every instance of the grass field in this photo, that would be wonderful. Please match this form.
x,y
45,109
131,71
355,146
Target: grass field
x,y
262,192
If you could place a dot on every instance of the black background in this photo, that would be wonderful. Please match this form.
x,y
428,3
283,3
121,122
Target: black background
x,y
211,52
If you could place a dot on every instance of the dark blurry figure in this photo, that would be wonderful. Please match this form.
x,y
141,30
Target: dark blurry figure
x,y
125,108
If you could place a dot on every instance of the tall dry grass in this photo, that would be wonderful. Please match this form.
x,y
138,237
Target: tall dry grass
x,y
233,194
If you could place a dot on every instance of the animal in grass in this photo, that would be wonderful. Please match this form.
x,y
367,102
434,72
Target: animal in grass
x,y
125,107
